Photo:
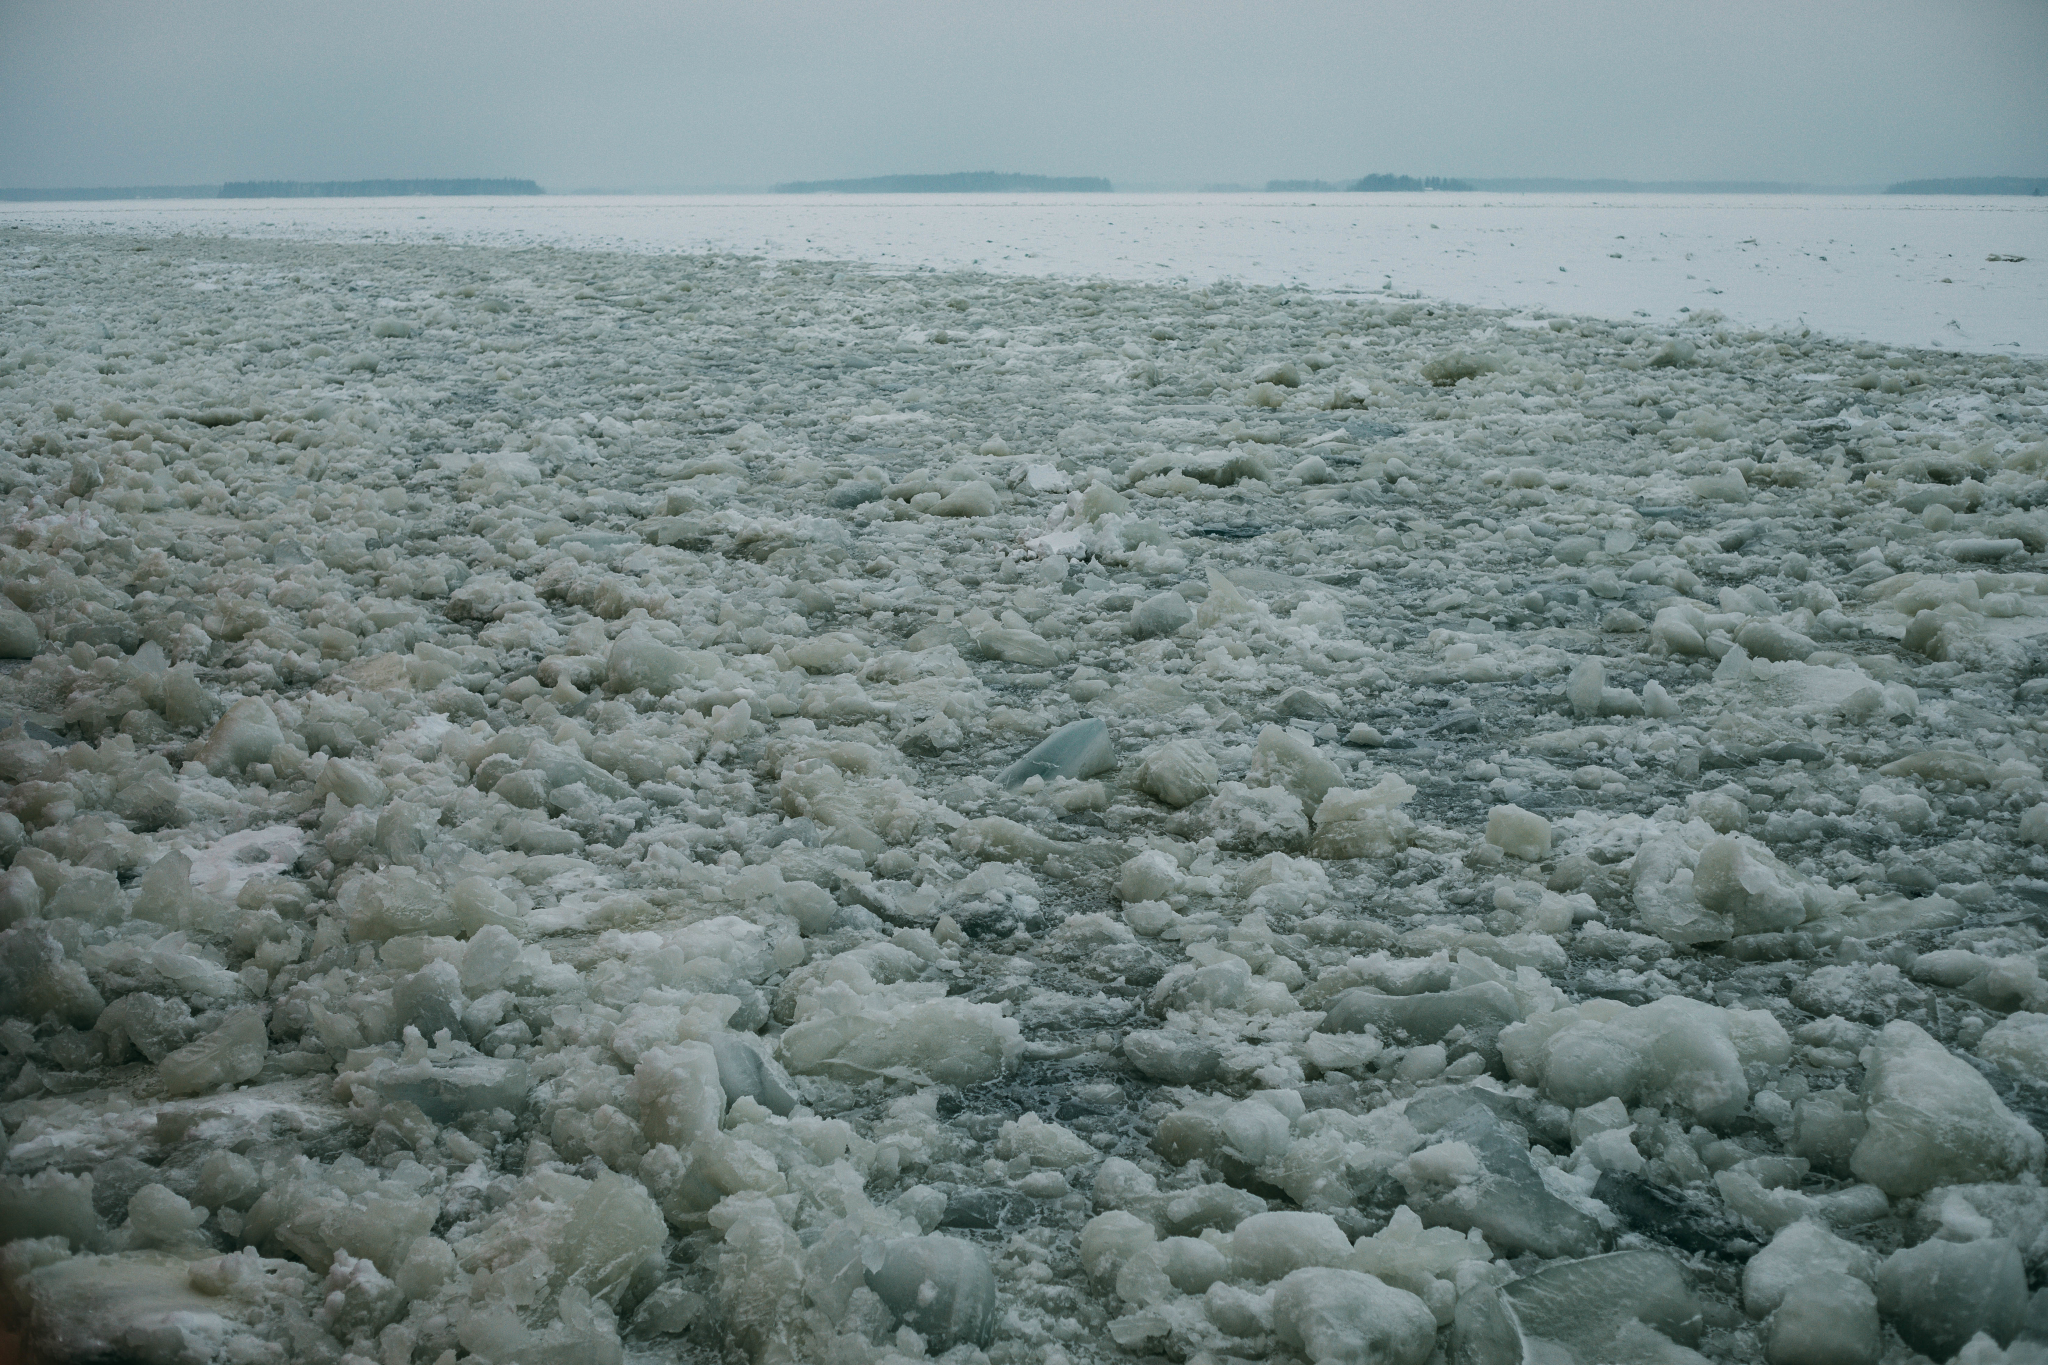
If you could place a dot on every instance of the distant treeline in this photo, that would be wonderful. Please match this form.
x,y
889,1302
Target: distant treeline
x,y
1982,184
959,182
112,192
1560,186
1366,184
1556,186
369,189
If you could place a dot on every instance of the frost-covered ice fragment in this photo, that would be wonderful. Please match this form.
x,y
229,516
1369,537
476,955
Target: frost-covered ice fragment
x,y
1584,688
245,734
1940,1294
1178,773
1283,758
1017,645
1480,1011
1933,1120
744,1069
230,1054
1983,550
357,1297
1363,824
136,1306
1270,1246
21,896
1590,1310
19,635
1257,819
228,1180
1518,833
1798,1250
430,1000
351,783
1739,878
1826,1319
1343,1316
939,1286
1475,1173
1674,1050
1423,1261
1171,1056
160,1219
2018,1043
1079,749
952,1042
637,660
478,904
50,1204
680,1094
1110,1238
1770,640
1161,615
449,1081
429,1263
972,499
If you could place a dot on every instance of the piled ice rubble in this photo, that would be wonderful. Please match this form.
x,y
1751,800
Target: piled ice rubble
x,y
572,807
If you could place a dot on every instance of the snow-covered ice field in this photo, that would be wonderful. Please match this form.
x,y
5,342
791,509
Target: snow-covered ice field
x,y
580,805
1899,271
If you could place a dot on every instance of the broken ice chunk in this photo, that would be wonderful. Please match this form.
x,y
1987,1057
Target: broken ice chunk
x,y
939,1286
1257,819
1364,824
1583,1307
1518,833
951,1041
1111,1238
1271,1246
1740,878
1345,1315
1484,1178
1940,1294
150,1024
158,1218
1800,1249
1282,758
2018,1043
430,1000
1172,1057
744,1070
1770,640
975,499
231,1053
1015,645
637,660
1178,774
49,1204
1826,1319
1479,1010
1934,1120
1161,615
450,1080
1079,749
245,735
350,783
139,1306
19,635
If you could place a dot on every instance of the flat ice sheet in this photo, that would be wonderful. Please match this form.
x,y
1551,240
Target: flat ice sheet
x,y
1891,269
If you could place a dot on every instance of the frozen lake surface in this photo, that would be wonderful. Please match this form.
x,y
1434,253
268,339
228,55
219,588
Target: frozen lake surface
x,y
1895,270
638,808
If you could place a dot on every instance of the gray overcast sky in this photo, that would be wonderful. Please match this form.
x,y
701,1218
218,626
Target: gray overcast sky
x,y
673,93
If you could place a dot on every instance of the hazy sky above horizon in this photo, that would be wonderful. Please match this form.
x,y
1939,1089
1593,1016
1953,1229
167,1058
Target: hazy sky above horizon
x,y
678,93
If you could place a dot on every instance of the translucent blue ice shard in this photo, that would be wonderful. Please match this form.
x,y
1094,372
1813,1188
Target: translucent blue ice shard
x,y
1081,749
